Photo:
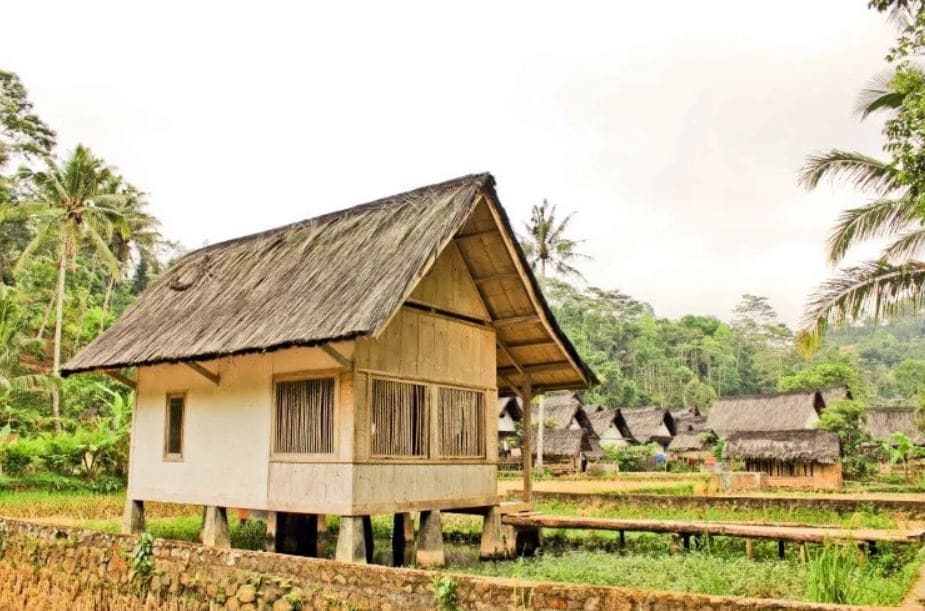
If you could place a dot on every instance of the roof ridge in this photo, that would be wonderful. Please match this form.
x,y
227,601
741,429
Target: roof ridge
x,y
397,198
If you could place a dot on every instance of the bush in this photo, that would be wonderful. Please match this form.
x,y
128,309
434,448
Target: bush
x,y
18,456
632,458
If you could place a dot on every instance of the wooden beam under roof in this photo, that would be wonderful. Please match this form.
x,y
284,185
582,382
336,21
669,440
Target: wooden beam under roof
x,y
533,369
533,343
515,320
121,379
477,234
337,356
505,276
212,377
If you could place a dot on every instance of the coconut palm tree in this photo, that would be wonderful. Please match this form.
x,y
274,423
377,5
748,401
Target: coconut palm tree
x,y
546,244
895,280
71,206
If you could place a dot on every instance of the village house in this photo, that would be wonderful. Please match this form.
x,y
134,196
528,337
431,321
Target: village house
x,y
568,450
688,419
789,459
884,422
341,365
693,447
649,425
784,411
562,410
609,427
510,413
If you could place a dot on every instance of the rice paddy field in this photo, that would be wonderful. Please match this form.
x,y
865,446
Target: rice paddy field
x,y
713,566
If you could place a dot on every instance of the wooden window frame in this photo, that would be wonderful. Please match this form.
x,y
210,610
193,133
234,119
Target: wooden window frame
x,y
429,416
302,376
438,422
167,455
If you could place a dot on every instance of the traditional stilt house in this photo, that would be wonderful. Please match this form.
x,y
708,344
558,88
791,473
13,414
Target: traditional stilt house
x,y
782,411
568,450
345,364
510,413
789,459
563,410
694,447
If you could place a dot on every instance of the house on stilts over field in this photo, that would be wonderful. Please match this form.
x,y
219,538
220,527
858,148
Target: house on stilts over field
x,y
347,365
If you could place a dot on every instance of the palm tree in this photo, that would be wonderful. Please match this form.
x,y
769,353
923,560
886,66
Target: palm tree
x,y
546,245
894,281
71,205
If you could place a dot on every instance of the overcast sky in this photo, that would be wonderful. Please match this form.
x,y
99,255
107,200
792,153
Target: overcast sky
x,y
674,129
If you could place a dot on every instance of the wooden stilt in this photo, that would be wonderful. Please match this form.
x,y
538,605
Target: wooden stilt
x,y
674,545
215,528
622,539
430,541
686,539
398,539
409,528
780,550
802,552
498,540
133,519
368,538
749,548
526,395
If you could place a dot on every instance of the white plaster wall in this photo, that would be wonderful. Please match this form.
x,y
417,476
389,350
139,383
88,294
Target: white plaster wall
x,y
226,445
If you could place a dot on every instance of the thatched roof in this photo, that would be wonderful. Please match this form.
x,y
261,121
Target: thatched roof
x,y
562,409
566,442
690,441
511,405
688,423
340,276
647,424
790,446
774,412
882,422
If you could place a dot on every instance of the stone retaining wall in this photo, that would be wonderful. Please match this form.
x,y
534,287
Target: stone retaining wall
x,y
909,508
46,567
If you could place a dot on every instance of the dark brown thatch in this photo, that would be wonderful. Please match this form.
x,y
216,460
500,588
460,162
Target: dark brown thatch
x,y
691,441
566,443
334,277
563,410
882,422
809,446
609,426
688,423
648,424
509,413
775,412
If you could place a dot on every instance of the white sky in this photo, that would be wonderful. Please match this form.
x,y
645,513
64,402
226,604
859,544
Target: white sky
x,y
674,129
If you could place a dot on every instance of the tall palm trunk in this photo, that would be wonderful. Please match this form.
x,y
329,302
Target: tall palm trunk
x,y
59,321
542,406
112,281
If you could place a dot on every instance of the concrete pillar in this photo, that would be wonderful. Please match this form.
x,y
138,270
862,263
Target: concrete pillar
x,y
214,531
351,542
322,523
430,541
498,540
297,534
270,542
133,518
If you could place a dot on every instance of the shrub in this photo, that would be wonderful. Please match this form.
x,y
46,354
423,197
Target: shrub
x,y
631,458
19,455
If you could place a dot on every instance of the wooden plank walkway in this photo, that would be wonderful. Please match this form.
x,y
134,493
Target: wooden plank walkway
x,y
801,534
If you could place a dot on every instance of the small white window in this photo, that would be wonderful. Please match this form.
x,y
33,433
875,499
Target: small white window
x,y
173,426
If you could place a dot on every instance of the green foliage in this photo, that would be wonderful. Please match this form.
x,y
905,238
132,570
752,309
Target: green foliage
x,y
142,562
445,593
824,375
846,419
632,458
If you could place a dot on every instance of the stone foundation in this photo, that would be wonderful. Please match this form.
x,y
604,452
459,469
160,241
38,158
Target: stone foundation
x,y
45,567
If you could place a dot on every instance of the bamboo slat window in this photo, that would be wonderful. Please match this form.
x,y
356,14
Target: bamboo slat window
x,y
173,438
461,415
304,417
398,419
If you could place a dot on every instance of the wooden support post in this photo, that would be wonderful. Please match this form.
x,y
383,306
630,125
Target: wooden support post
x,y
368,538
872,548
686,539
498,540
749,548
430,541
133,518
322,523
215,527
802,552
526,395
780,549
212,377
398,539
622,539
351,544
409,527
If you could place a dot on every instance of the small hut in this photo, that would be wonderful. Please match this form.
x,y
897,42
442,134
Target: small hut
x,y
694,447
609,426
649,424
510,413
784,411
562,410
568,450
345,365
883,422
789,459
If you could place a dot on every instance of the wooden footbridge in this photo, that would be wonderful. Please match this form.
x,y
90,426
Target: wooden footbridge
x,y
682,531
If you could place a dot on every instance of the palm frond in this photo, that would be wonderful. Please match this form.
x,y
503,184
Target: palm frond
x,y
875,288
877,219
862,171
907,246
878,95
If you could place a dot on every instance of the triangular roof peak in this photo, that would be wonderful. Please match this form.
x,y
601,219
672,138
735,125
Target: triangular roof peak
x,y
340,276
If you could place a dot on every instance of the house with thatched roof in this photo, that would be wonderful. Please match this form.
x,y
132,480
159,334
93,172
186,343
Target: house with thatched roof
x,y
688,419
649,424
568,449
510,413
609,427
695,447
562,410
339,365
783,411
789,459
883,422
